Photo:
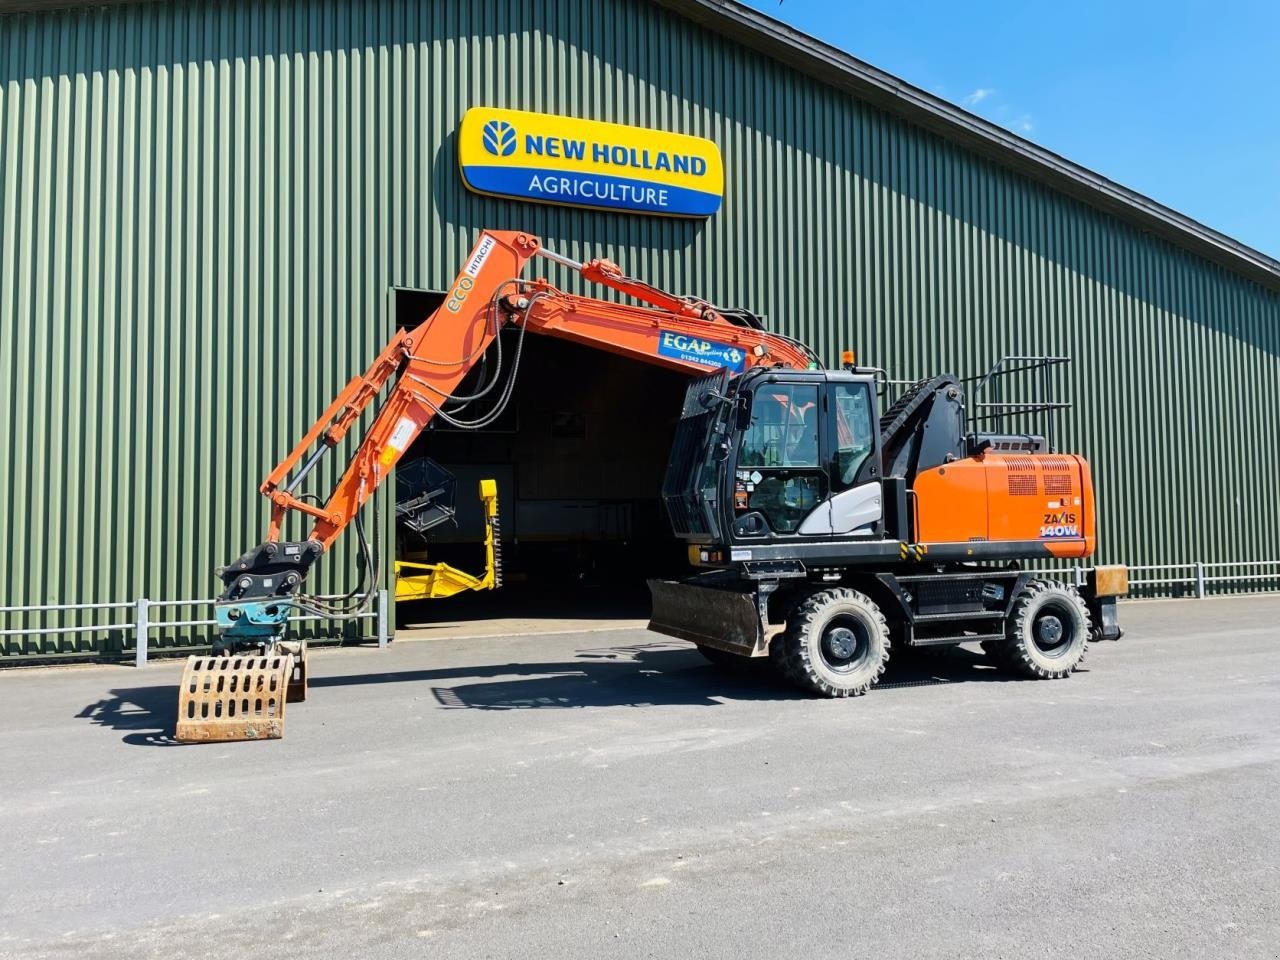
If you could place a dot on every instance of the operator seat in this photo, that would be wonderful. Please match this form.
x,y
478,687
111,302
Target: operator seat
x,y
804,451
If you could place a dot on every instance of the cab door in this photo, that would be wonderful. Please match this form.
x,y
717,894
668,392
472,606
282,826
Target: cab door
x,y
855,505
780,471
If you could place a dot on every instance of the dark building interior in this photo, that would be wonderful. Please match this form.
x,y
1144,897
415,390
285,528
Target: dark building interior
x,y
578,456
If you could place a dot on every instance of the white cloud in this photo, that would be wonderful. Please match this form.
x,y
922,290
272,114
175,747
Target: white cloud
x,y
990,103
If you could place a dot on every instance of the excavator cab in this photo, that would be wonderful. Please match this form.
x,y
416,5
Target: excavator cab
x,y
773,457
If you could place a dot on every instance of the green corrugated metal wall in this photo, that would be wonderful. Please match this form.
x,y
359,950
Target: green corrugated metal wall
x,y
202,208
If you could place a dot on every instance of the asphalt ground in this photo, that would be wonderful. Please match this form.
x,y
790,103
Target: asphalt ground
x,y
608,794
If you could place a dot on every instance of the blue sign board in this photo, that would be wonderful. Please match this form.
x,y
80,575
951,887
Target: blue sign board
x,y
708,353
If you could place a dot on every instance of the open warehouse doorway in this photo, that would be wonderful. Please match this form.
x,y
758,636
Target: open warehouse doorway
x,y
578,456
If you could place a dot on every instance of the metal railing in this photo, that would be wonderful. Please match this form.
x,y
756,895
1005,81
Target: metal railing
x,y
141,625
1197,573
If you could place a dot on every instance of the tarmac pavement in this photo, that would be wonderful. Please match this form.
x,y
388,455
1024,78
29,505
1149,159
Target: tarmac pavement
x,y
607,793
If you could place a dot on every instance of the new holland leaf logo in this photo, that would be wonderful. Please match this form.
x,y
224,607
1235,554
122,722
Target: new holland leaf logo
x,y
499,138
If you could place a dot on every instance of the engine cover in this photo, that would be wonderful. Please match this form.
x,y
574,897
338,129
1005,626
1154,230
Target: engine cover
x,y
1008,498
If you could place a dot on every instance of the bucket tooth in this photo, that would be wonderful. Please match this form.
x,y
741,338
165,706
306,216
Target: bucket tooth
x,y
236,697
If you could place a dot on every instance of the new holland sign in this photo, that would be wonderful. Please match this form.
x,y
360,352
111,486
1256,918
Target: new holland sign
x,y
587,163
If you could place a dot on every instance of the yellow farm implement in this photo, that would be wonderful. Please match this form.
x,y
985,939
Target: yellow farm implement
x,y
431,581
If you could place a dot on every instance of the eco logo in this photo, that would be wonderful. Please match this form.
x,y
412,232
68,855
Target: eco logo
x,y
589,163
500,138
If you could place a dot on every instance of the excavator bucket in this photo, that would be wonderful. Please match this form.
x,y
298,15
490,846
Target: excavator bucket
x,y
724,619
239,697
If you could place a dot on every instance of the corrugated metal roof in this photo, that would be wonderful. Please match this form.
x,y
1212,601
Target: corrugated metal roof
x,y
831,65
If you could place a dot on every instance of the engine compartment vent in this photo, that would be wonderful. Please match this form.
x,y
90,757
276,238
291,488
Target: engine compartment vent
x,y
1023,485
1057,485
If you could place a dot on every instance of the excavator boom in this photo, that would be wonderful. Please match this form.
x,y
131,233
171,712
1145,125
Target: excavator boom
x,y
487,296
425,368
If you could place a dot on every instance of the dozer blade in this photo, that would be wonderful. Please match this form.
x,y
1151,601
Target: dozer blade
x,y
238,697
724,619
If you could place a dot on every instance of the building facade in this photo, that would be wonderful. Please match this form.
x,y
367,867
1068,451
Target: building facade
x,y
207,210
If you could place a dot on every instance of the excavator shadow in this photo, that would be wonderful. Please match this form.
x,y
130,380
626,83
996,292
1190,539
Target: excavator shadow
x,y
926,667
634,675
649,674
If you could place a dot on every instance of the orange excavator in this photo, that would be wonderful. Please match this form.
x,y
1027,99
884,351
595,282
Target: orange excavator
x,y
823,531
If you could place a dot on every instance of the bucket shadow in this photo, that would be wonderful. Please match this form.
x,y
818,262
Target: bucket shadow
x,y
147,715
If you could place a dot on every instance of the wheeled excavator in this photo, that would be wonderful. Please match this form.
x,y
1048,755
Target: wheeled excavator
x,y
823,531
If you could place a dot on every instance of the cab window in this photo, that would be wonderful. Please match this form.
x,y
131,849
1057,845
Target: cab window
x,y
784,427
780,474
854,437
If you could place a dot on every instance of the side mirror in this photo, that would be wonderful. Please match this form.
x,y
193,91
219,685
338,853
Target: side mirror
x,y
744,414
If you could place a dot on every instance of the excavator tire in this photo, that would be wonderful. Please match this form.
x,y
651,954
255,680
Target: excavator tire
x,y
836,644
1047,635
236,697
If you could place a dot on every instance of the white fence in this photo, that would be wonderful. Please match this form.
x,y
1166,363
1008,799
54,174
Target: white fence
x,y
142,623
1200,576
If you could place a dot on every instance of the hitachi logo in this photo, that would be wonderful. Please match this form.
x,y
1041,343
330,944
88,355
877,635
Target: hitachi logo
x,y
472,269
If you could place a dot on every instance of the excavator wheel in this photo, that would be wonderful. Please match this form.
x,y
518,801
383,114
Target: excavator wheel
x,y
236,697
836,644
1047,634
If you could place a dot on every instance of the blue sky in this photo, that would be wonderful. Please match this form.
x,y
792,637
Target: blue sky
x,y
1179,101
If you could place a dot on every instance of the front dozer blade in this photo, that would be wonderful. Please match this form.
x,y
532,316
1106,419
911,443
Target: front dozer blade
x,y
708,616
236,697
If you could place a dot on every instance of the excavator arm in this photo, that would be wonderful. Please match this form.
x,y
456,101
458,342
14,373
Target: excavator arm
x,y
487,296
